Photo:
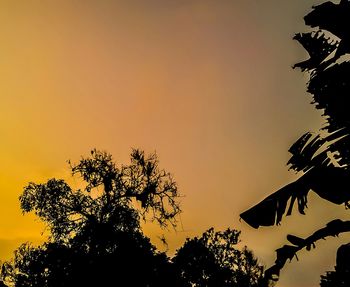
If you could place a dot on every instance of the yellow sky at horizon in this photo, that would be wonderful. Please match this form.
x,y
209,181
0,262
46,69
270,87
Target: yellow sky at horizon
x,y
207,84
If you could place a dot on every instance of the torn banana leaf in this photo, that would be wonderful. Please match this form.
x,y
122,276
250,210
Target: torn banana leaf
x,y
330,183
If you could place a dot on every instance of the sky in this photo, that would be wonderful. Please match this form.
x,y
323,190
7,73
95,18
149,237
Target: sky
x,y
207,84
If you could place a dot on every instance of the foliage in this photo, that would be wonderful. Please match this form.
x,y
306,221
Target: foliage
x,y
68,212
96,238
322,159
95,234
54,264
335,279
213,260
341,276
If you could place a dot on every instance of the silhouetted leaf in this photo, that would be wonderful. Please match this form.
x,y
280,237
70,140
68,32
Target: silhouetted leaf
x,y
286,252
330,183
270,210
318,47
295,240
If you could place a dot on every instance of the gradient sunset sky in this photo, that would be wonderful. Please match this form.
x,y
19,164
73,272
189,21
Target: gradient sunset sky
x,y
207,84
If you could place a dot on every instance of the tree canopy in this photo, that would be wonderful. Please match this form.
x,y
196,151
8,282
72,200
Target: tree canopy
x,y
96,237
214,260
95,233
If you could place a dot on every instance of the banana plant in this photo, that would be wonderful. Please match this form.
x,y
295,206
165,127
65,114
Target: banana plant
x,y
322,158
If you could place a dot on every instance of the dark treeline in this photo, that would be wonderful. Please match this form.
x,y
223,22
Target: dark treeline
x,y
96,238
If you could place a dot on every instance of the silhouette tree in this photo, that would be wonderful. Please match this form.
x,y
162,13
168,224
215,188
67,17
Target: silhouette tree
x,y
95,236
322,159
96,239
212,260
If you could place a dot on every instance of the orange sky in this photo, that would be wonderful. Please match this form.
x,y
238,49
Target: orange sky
x,y
207,84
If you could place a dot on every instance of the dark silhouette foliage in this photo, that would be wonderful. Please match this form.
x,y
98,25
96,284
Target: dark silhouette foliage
x,y
95,236
134,262
341,276
213,260
96,239
322,159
